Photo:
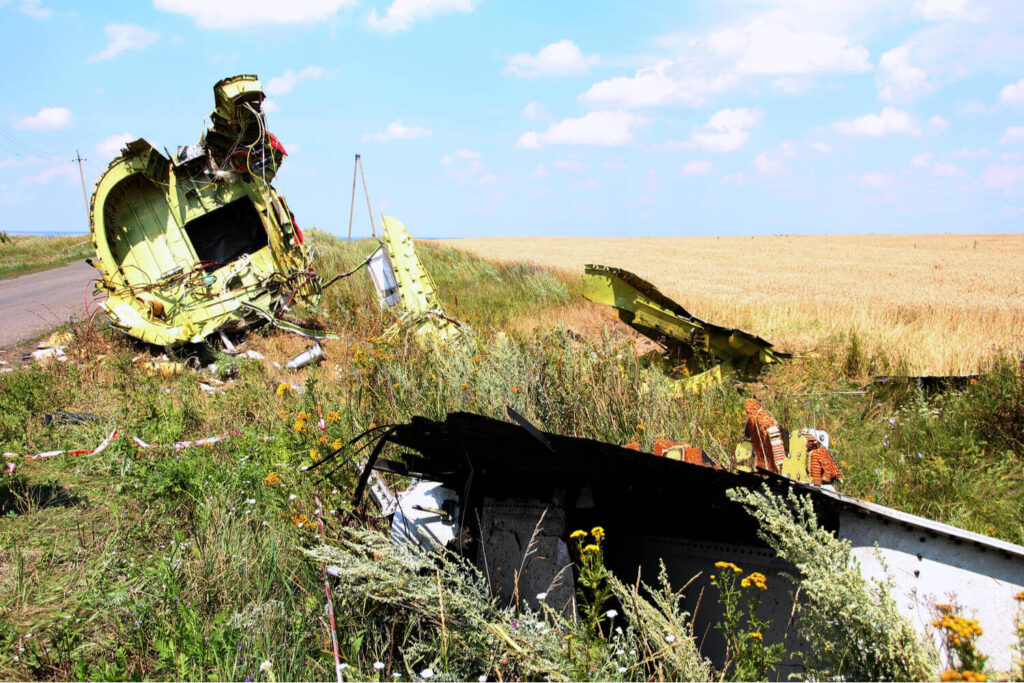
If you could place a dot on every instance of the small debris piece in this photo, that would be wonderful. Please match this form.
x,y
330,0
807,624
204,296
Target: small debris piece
x,y
63,417
311,356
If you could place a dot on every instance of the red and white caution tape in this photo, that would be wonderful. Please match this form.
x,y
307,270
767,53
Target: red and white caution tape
x,y
178,446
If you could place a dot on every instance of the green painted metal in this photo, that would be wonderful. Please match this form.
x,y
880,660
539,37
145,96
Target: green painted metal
x,y
421,309
706,352
144,205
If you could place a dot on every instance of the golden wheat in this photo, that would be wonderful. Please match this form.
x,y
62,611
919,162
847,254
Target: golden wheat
x,y
943,303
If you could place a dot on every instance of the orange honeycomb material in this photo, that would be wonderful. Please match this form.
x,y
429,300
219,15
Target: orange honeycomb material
x,y
824,469
768,452
661,446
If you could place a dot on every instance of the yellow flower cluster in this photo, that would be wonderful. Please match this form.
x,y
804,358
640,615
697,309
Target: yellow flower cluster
x,y
1019,596
579,533
337,444
272,479
299,520
591,548
314,454
598,533
954,675
728,565
959,630
755,636
333,416
283,388
756,579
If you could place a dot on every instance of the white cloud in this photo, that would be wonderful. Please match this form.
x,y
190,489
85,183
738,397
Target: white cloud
x,y
770,166
950,10
777,45
396,130
1014,92
736,179
402,14
279,85
48,118
34,9
1000,177
947,170
654,86
541,172
697,167
600,128
1013,135
569,165
937,124
124,38
876,180
464,165
727,130
270,106
822,147
535,111
921,160
233,14
563,58
58,170
111,147
966,153
890,121
587,183
898,80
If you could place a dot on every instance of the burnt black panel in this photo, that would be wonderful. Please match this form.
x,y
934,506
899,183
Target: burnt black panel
x,y
224,234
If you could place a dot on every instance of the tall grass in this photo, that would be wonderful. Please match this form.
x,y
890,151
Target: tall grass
x,y
159,563
28,253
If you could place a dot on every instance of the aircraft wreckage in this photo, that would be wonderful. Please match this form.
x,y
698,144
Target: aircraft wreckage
x,y
202,242
701,353
507,496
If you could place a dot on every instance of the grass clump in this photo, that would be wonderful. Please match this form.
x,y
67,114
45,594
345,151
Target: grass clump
x,y
855,627
23,254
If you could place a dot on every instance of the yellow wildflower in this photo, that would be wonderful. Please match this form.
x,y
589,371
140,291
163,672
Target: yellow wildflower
x,y
1019,596
755,636
598,533
299,520
756,579
640,427
314,454
591,548
337,444
729,565
303,415
282,389
299,426
272,478
333,416
579,533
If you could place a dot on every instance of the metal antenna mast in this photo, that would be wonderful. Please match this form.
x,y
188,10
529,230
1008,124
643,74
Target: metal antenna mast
x,y
357,169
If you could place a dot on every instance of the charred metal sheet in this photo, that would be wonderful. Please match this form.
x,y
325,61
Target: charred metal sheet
x,y
200,242
708,353
655,508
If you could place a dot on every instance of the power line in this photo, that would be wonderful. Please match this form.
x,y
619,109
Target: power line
x,y
85,197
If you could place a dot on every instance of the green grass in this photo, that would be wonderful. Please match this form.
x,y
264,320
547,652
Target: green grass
x,y
156,563
25,254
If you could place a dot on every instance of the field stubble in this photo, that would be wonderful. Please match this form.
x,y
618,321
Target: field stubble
x,y
941,303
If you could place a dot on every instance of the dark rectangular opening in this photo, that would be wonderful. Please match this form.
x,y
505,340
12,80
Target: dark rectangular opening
x,y
226,233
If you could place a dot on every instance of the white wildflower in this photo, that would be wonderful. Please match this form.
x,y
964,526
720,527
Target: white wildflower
x,y
611,614
542,596
266,665
378,665
670,638
427,673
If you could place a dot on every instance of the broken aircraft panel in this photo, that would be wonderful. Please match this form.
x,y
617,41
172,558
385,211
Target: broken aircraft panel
x,y
511,481
200,242
403,283
707,353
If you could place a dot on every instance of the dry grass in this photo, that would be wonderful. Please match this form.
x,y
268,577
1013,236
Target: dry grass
x,y
942,302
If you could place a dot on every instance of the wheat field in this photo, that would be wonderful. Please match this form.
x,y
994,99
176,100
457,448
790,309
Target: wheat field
x,y
942,303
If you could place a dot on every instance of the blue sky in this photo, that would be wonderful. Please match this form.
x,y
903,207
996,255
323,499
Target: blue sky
x,y
576,117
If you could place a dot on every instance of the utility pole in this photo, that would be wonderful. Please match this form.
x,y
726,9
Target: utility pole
x,y
85,197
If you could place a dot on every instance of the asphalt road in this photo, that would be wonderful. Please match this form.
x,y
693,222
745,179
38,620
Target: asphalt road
x,y
33,304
